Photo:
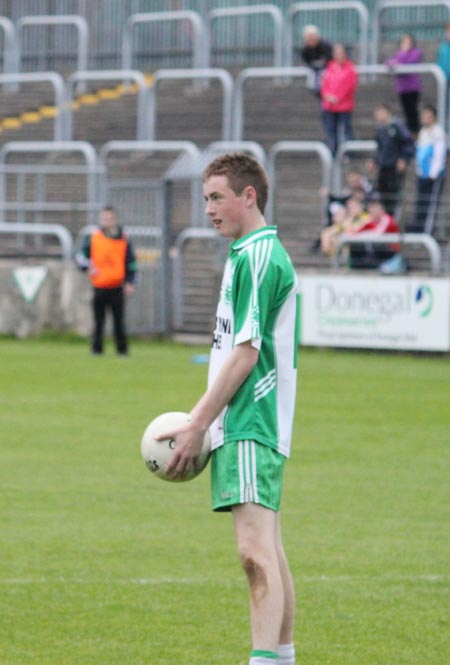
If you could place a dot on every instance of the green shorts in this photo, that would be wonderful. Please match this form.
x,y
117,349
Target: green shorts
x,y
246,472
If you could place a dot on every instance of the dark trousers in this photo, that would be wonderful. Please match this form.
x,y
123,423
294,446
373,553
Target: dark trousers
x,y
410,105
338,128
427,200
389,185
112,299
368,256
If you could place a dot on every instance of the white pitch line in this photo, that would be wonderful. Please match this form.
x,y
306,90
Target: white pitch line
x,y
155,581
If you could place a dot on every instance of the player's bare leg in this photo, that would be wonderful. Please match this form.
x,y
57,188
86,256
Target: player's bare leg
x,y
286,650
255,528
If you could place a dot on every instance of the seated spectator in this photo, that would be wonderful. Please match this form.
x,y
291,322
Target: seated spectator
x,y
443,60
316,53
431,159
356,184
345,218
373,255
339,84
395,147
408,86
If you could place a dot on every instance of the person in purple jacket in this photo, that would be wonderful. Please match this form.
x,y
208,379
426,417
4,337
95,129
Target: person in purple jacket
x,y
408,86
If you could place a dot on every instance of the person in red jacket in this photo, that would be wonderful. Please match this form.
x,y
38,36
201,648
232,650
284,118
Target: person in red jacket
x,y
108,257
339,85
378,221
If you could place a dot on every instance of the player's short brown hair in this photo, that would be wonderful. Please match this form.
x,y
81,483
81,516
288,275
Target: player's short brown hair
x,y
242,171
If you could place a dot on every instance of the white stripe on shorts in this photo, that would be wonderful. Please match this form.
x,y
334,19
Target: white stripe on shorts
x,y
248,482
254,476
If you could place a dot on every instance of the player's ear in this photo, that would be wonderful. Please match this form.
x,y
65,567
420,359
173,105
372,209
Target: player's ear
x,y
250,196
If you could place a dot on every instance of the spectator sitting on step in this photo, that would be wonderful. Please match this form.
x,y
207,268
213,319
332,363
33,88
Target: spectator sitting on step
x,y
339,84
316,53
369,255
345,218
356,184
395,147
408,86
431,159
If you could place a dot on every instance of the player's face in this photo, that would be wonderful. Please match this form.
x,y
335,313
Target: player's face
x,y
225,209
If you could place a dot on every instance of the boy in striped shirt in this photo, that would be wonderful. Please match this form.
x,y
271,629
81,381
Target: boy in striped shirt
x,y
249,404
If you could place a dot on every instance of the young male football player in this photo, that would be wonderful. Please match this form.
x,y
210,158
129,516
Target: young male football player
x,y
249,403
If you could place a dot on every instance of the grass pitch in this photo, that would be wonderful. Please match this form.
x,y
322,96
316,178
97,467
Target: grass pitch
x,y
102,564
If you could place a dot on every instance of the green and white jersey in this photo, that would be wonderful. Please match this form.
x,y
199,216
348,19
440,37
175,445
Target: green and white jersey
x,y
258,302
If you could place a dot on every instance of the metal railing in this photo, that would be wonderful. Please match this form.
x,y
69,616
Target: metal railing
x,y
304,72
198,37
187,148
179,276
164,275
107,20
186,168
257,73
90,170
39,230
206,74
238,13
446,265
326,8
218,147
10,49
67,20
57,84
300,147
427,241
109,75
346,147
384,5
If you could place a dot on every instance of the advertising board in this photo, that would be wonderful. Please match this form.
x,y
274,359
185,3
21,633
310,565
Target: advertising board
x,y
405,313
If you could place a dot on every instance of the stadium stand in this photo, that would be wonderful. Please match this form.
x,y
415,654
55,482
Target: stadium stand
x,y
53,186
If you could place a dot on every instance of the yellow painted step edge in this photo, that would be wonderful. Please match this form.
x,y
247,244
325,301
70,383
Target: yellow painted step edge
x,y
11,123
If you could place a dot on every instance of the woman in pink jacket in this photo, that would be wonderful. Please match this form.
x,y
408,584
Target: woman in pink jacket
x,y
339,85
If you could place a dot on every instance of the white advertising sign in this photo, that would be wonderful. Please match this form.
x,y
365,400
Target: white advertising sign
x,y
404,313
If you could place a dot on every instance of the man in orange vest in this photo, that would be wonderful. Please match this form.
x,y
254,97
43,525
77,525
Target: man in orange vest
x,y
108,257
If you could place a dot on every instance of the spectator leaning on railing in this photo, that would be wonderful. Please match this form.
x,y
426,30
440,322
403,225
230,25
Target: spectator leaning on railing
x,y
316,53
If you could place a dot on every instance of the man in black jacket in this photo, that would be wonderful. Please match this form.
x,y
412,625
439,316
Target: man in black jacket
x,y
316,53
395,147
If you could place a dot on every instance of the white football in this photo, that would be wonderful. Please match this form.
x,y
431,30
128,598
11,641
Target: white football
x,y
156,454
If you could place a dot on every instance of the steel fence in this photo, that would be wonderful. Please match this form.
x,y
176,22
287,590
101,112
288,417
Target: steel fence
x,y
243,37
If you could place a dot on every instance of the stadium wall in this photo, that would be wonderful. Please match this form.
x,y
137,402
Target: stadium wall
x,y
400,313
36,296
50,295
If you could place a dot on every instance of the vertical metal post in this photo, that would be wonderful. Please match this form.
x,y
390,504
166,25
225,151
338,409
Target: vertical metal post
x,y
166,267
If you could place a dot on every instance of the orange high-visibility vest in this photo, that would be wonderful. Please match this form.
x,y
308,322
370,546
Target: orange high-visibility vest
x,y
108,256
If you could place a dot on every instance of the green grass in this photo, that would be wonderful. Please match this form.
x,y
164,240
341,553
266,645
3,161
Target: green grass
x,y
102,564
